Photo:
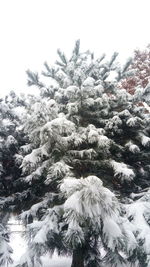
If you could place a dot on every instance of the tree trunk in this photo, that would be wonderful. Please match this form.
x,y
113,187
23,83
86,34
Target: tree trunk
x,y
78,258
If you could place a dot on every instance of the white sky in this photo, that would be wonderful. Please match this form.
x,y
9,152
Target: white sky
x,y
32,30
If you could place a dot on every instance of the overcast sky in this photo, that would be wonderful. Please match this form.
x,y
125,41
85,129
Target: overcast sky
x,y
32,30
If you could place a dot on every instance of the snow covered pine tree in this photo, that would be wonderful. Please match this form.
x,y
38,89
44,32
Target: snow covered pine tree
x,y
86,134
10,139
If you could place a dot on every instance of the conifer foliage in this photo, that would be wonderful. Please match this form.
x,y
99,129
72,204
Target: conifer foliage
x,y
5,249
87,141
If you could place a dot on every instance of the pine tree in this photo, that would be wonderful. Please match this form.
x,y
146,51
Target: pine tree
x,y
85,134
11,137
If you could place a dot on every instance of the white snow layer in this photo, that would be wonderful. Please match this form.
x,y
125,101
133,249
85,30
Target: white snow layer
x,y
122,171
56,261
145,140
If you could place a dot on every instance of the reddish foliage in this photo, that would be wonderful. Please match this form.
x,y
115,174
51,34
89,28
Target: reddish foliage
x,y
141,66
140,104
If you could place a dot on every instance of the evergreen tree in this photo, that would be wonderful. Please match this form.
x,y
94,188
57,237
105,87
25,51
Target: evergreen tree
x,y
11,138
85,126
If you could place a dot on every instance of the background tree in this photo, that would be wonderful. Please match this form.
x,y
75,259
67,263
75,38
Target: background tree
x,y
140,74
11,138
